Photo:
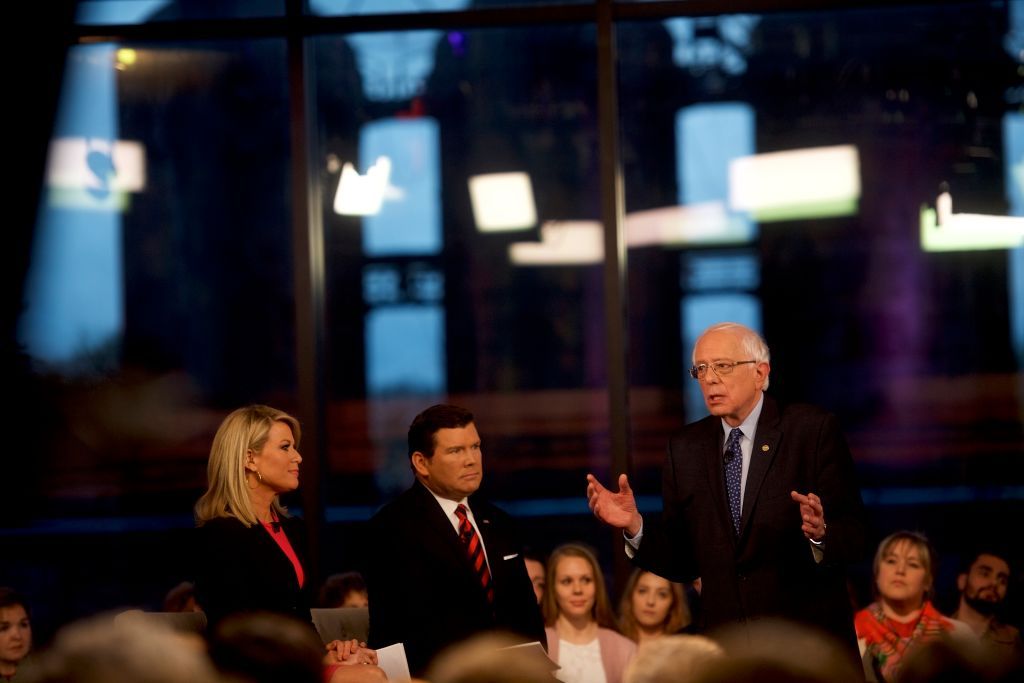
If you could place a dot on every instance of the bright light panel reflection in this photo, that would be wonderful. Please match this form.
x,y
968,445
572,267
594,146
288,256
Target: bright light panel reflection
x,y
1013,159
708,138
562,243
330,7
801,183
701,223
405,350
74,289
362,195
100,166
943,230
502,202
409,221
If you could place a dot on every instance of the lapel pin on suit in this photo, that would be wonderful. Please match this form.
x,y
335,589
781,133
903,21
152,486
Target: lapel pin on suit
x,y
765,448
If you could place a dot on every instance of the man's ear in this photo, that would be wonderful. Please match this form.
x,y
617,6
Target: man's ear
x,y
419,464
762,370
961,582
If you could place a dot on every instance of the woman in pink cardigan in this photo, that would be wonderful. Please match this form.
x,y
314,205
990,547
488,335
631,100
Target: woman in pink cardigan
x,y
580,626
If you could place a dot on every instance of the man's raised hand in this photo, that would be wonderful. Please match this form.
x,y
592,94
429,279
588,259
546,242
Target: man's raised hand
x,y
617,509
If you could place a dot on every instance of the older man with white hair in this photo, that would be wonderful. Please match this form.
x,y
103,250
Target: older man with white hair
x,y
760,499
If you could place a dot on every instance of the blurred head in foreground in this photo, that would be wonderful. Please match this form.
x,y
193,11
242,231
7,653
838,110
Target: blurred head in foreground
x,y
491,658
669,659
105,650
773,650
261,647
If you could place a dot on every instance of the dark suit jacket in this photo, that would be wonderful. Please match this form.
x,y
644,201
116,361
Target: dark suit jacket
x,y
422,589
242,569
769,570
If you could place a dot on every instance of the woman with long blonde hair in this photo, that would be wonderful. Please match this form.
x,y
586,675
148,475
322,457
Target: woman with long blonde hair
x,y
579,623
251,554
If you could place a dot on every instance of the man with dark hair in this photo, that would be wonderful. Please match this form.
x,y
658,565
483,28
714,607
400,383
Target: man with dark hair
x,y
983,583
443,564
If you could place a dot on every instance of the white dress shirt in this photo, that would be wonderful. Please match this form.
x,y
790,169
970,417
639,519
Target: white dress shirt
x,y
449,507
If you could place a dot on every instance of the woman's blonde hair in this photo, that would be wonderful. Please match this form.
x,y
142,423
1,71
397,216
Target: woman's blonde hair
x,y
244,430
678,612
918,542
602,611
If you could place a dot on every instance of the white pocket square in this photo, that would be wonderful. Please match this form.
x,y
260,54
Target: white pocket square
x,y
509,557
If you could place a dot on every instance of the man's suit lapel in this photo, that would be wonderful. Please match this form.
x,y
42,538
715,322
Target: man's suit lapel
x,y
766,441
438,527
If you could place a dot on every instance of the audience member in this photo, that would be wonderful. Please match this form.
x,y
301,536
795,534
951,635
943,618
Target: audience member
x,y
672,659
491,658
343,590
105,650
443,564
535,569
983,584
902,617
251,554
776,651
266,647
15,634
580,629
651,607
949,660
182,598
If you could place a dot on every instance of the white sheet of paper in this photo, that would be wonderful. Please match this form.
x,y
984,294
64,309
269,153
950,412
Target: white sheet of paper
x,y
393,660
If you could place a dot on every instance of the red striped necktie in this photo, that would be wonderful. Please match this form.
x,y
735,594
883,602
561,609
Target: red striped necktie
x,y
475,550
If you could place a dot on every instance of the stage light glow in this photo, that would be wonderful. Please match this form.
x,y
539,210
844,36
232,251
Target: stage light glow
x,y
502,202
96,165
562,243
701,223
126,56
794,184
943,230
362,195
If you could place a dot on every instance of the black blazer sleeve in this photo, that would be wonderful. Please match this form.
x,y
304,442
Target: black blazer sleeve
x,y
242,569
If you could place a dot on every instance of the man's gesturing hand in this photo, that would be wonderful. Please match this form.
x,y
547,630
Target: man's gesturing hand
x,y
614,509
812,515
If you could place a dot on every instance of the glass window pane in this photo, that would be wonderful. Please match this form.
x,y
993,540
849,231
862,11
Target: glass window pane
x,y
117,12
848,183
159,296
461,212
356,7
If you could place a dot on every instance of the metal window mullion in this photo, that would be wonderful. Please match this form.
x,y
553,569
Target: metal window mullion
x,y
308,261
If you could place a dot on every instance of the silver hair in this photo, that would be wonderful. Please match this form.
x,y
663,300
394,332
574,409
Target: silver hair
x,y
752,343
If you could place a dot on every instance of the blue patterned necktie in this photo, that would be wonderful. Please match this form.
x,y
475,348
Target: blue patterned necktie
x,y
733,476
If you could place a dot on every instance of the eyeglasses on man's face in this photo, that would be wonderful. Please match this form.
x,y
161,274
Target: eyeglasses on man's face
x,y
721,368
